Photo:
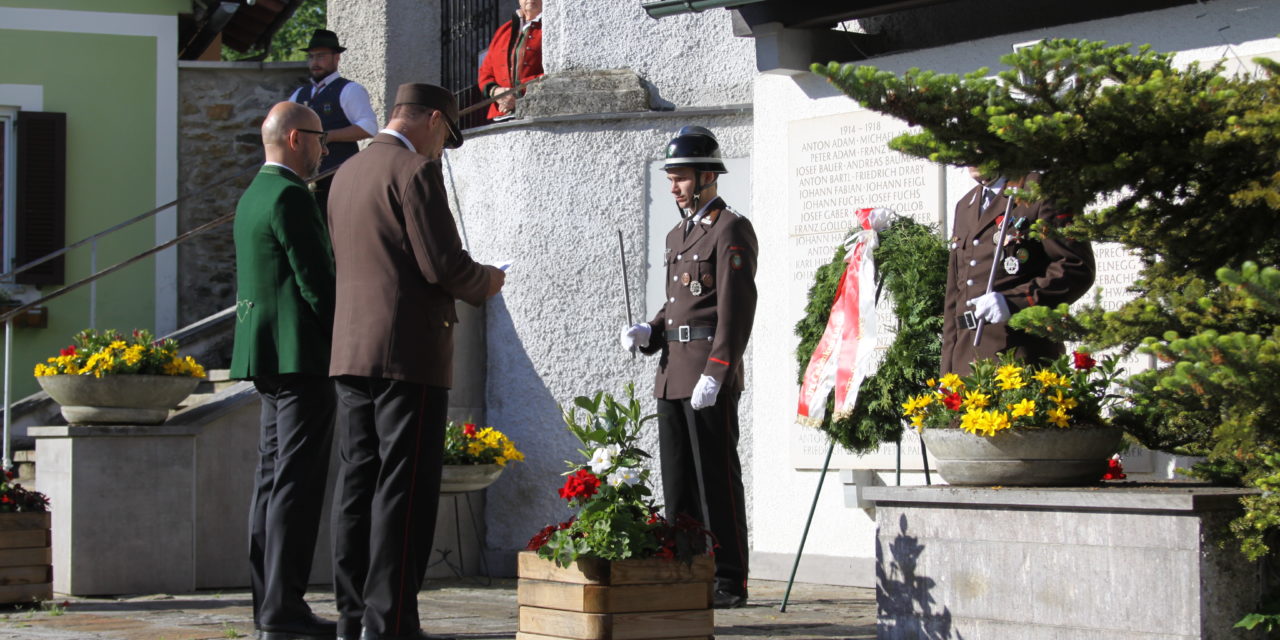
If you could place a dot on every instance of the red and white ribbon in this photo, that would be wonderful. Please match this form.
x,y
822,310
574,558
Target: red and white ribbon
x,y
845,355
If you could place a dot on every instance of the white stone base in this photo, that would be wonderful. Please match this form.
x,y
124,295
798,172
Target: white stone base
x,y
1134,562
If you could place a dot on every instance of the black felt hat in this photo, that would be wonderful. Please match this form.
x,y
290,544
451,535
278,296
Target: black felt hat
x,y
433,97
324,39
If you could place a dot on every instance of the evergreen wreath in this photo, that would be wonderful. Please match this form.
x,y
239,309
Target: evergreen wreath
x,y
911,263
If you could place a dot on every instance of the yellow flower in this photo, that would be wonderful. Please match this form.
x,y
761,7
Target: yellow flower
x,y
914,404
1010,377
917,421
971,421
1026,407
1063,402
116,345
976,400
1059,417
996,421
952,382
133,355
1045,377
930,383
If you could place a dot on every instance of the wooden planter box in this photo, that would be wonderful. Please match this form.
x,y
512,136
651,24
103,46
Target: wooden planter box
x,y
25,557
625,600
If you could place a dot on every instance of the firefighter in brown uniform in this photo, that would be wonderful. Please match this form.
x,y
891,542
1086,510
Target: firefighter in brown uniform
x,y
1046,271
701,333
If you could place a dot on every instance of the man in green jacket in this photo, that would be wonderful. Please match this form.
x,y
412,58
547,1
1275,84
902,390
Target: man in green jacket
x,y
284,322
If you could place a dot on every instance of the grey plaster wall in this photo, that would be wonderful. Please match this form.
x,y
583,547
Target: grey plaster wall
x,y
551,195
221,107
687,60
388,43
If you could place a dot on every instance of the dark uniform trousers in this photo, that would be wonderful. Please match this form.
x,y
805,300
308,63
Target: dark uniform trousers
x,y
293,460
390,448
700,458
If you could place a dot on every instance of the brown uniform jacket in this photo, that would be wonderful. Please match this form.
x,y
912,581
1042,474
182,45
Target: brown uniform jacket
x,y
400,267
1048,272
719,254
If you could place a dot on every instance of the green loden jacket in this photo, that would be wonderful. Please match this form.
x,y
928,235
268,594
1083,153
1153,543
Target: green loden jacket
x,y
284,279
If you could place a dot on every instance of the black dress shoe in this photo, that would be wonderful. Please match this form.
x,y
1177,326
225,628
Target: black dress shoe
x,y
725,600
417,635
312,628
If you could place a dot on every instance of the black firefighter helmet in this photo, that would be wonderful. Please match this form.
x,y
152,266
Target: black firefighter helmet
x,y
694,147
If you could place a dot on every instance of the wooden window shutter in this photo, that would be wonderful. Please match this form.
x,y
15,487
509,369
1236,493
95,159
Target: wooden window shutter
x,y
41,197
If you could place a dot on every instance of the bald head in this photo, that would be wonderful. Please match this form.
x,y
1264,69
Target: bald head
x,y
285,117
290,137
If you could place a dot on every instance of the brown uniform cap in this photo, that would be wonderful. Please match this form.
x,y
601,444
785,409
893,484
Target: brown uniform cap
x,y
433,97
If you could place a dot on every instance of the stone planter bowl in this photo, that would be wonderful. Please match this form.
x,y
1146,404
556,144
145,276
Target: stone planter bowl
x,y
122,399
460,478
1038,457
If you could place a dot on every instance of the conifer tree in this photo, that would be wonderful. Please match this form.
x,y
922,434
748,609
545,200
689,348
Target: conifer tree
x,y
1189,159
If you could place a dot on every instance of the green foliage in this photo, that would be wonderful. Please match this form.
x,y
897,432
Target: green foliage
x,y
911,261
286,45
617,518
1186,161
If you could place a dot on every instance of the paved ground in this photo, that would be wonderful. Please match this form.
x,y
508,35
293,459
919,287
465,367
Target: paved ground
x,y
458,607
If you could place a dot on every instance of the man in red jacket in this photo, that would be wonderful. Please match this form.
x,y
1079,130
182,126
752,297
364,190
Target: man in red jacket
x,y
515,55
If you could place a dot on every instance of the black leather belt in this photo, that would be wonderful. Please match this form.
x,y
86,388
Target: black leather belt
x,y
686,333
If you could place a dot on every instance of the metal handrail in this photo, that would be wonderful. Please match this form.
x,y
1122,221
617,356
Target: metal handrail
x,y
5,277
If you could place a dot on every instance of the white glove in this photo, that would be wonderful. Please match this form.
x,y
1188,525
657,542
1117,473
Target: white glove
x,y
704,393
636,335
991,307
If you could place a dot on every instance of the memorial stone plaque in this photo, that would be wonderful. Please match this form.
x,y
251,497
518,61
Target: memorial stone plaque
x,y
835,166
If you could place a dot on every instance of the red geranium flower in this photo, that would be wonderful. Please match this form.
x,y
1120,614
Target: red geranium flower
x,y
1083,360
69,351
469,429
1115,471
952,400
581,484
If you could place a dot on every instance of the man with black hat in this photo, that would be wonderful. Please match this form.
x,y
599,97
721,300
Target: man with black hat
x,y
400,267
702,332
346,114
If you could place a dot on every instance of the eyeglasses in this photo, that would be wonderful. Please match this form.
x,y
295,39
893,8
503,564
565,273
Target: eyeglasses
x,y
324,137
318,56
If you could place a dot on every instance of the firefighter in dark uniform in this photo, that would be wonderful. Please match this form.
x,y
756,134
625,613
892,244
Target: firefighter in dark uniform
x,y
701,333
1046,271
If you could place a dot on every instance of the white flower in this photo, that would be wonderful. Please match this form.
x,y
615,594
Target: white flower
x,y
624,475
602,459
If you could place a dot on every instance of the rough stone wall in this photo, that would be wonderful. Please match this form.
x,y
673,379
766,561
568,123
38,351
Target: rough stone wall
x,y
687,60
388,43
550,196
221,107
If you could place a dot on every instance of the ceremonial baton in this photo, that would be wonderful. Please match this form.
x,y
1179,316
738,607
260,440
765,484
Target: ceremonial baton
x,y
626,286
996,259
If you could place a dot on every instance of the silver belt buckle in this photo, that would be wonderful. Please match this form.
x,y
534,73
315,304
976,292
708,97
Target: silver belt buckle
x,y
970,321
683,331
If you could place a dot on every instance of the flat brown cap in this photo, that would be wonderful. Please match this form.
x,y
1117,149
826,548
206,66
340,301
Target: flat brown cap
x,y
433,97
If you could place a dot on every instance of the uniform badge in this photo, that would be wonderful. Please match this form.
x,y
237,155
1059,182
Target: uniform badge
x,y
707,280
735,262
1011,265
1022,254
684,279
695,288
328,108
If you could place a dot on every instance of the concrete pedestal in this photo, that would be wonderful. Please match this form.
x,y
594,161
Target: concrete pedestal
x,y
164,509
1139,562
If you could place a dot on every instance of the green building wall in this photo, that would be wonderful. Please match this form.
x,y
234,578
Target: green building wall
x,y
113,72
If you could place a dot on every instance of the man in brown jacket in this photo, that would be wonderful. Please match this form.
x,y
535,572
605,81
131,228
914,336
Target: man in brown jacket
x,y
1046,271
400,267
702,333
